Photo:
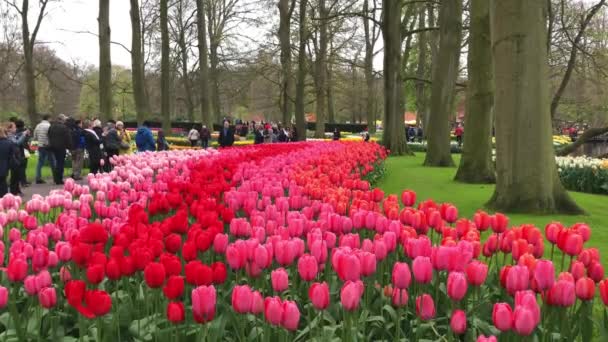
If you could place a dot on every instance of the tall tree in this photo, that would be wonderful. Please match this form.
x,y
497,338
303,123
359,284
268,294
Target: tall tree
x,y
526,178
371,37
394,131
29,41
421,102
182,33
476,163
137,65
105,61
286,8
321,70
301,75
445,74
165,66
203,63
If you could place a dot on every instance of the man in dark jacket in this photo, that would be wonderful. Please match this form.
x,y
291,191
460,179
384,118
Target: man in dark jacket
x,y
111,143
205,135
60,140
93,145
226,138
259,135
144,138
6,155
78,146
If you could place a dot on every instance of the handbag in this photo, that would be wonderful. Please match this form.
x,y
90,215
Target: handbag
x,y
124,145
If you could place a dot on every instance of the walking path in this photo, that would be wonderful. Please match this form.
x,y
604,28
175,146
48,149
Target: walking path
x,y
42,189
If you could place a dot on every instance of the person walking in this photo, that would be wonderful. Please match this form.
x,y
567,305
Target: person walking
x,y
25,145
459,132
337,135
259,135
17,161
226,138
111,143
6,155
161,141
60,140
125,138
194,136
92,144
205,136
144,138
78,146
41,136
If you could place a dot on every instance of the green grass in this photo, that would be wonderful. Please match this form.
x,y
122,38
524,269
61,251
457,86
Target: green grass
x,y
46,170
438,184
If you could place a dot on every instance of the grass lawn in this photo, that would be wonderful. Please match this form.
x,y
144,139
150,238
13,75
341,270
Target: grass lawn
x,y
46,170
438,184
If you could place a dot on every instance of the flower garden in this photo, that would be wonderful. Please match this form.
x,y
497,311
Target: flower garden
x,y
282,242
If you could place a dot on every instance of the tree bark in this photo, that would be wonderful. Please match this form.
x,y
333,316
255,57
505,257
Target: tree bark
x,y
105,62
203,63
526,178
369,71
445,74
433,42
394,130
137,65
215,32
286,8
301,77
586,136
476,162
331,109
165,67
321,71
187,84
421,68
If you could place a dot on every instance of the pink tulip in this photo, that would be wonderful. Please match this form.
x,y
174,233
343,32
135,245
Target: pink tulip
x,y
544,274
368,263
502,316
273,310
517,279
242,298
457,285
220,243
279,279
319,295
458,322
422,269
262,257
349,267
308,267
203,302
595,271
483,338
401,275
578,270
291,316
29,284
350,295
523,321
400,297
3,297
47,297
425,307
476,272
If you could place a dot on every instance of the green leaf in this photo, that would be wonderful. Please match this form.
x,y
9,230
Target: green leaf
x,y
391,311
586,325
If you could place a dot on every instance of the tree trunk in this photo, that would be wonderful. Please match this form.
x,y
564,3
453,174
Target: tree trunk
x,y
185,75
526,178
137,65
203,64
165,67
394,130
321,71
301,77
581,140
286,10
28,69
445,74
476,162
421,69
331,109
434,40
105,62
369,71
215,83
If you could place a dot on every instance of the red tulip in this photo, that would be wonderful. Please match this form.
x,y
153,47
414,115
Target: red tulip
x,y
562,293
425,307
175,312
408,198
350,295
578,270
242,299
291,316
523,321
17,270
603,287
595,271
74,291
422,269
219,272
585,288
583,229
154,274
273,310
204,299
349,267
482,220
401,275
571,243
319,295
457,285
499,223
400,297
279,279
308,267
198,273
173,243
113,269
502,316
552,231
544,275
47,297
476,272
458,322
95,274
174,287
98,302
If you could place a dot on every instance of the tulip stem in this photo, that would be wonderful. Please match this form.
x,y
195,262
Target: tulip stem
x,y
398,325
15,314
99,336
552,250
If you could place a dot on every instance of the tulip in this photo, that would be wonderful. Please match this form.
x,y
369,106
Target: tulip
x,y
204,300
349,267
517,279
279,279
457,285
572,243
578,270
422,269
523,321
175,312
368,263
242,299
585,289
400,297
408,198
603,287
458,322
319,295
29,284
95,274
401,275
499,223
476,272
220,243
17,270
425,307
562,293
552,231
154,275
502,316
219,272
99,302
483,338
350,295
257,303
308,267
47,297
291,316
174,287
544,275
595,271
273,310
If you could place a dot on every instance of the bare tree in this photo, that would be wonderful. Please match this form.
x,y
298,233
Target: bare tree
x,y
301,75
165,66
105,61
137,64
286,9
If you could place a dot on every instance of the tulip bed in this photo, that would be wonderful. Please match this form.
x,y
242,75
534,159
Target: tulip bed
x,y
282,242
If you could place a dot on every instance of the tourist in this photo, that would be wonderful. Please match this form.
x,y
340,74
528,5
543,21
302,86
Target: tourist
x,y
21,130
259,135
97,127
111,143
41,136
17,163
205,135
420,134
294,134
161,141
144,138
6,155
336,135
283,135
125,138
93,146
78,146
366,136
573,133
226,137
410,134
60,140
194,136
459,131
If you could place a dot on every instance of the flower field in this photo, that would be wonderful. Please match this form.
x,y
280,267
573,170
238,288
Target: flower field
x,y
584,174
280,242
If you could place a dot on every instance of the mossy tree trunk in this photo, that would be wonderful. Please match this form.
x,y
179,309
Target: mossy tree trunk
x,y
321,71
370,43
165,67
445,73
105,61
526,173
203,63
393,137
286,8
476,163
301,75
137,65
